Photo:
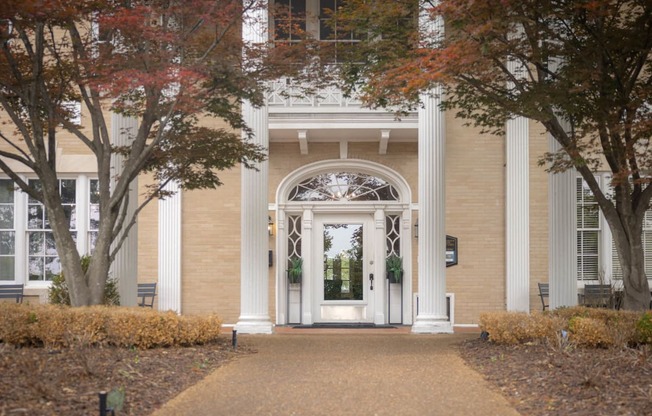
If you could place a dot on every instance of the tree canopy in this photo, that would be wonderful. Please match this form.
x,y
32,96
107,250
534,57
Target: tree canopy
x,y
581,68
180,68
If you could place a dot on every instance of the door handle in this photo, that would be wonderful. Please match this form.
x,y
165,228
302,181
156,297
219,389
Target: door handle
x,y
371,279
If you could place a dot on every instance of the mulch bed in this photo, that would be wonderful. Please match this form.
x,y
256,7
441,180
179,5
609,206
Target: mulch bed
x,y
542,380
38,381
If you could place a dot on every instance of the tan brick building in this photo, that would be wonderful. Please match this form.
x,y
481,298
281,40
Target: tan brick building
x,y
475,220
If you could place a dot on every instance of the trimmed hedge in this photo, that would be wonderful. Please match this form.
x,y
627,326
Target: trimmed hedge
x,y
55,326
583,327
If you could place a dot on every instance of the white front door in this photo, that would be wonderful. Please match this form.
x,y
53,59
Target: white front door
x,y
343,271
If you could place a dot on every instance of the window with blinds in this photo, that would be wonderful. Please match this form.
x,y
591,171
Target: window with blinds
x,y
588,233
589,226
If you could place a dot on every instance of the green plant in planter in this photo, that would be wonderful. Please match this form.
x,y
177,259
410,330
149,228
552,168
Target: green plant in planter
x,y
394,268
295,269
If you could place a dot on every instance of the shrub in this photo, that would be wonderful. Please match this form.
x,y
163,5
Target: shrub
x,y
58,293
589,332
55,326
644,328
587,327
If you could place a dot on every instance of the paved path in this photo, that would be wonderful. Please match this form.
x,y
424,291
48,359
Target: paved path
x,y
351,374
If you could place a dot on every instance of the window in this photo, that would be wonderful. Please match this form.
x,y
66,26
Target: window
x,y
7,231
393,235
297,19
592,264
43,260
341,39
93,214
588,233
290,20
343,186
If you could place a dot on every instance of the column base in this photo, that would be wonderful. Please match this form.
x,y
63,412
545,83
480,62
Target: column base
x,y
432,325
254,325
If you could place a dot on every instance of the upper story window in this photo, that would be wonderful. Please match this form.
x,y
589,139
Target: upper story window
x,y
299,19
290,19
344,186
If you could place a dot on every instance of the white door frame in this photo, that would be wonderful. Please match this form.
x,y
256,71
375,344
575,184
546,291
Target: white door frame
x,y
344,310
308,210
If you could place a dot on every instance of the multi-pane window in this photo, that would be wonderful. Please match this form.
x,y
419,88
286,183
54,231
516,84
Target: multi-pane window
x,y
393,235
298,19
43,260
342,38
7,230
290,19
343,186
93,213
588,233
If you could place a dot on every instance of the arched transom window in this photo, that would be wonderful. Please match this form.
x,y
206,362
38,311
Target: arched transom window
x,y
343,186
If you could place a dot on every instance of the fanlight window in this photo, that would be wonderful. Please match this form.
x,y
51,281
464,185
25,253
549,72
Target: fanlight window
x,y
344,186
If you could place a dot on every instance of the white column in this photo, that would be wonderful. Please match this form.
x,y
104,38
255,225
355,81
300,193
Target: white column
x,y
379,293
517,215
562,235
254,285
169,250
125,265
307,247
431,316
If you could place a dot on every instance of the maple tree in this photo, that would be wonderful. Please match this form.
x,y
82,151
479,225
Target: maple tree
x,y
179,68
581,68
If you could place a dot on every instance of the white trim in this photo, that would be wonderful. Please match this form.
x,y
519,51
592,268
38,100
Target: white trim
x,y
357,165
285,208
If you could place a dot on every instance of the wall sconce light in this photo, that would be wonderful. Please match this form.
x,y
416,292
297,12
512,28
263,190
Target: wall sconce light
x,y
270,226
416,229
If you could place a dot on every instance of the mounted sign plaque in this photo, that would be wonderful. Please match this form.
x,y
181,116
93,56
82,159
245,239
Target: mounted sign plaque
x,y
451,251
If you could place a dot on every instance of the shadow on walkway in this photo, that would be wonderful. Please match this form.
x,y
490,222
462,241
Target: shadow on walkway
x,y
352,374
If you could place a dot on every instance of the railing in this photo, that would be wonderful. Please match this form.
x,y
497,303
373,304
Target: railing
x,y
283,93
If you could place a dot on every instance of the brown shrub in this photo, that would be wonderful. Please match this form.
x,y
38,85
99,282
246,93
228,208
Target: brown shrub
x,y
59,326
589,332
587,327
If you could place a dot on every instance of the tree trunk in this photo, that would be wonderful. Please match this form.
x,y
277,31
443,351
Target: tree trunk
x,y
98,271
66,247
629,245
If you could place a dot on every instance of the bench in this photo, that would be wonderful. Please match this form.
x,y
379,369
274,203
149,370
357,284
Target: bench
x,y
544,292
146,292
12,292
598,296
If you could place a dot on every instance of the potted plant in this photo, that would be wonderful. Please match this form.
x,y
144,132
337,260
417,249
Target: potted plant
x,y
394,268
295,270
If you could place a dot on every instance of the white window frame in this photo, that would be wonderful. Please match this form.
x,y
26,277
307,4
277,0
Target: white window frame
x,y
606,247
82,213
12,229
597,229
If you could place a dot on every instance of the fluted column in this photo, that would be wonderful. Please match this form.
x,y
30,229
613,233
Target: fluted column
x,y
431,316
254,286
125,265
169,250
517,215
562,237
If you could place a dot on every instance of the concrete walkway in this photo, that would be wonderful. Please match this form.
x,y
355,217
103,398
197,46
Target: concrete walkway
x,y
344,374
